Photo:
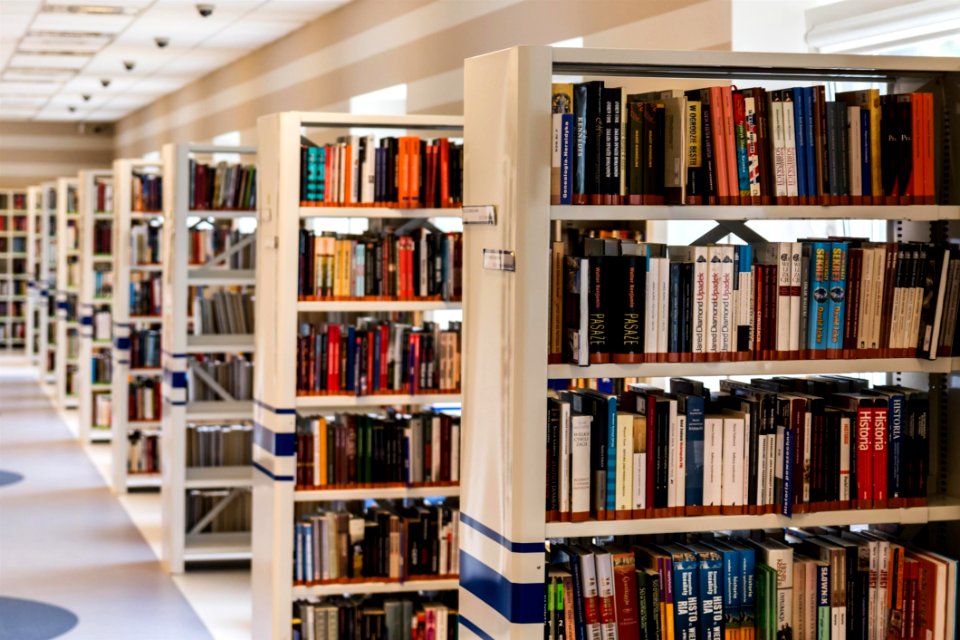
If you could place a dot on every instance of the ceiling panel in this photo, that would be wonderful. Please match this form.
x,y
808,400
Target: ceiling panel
x,y
33,60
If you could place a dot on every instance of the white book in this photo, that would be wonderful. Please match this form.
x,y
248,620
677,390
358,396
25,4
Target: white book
x,y
807,449
580,463
789,145
796,275
853,151
866,317
727,330
588,587
879,273
565,453
681,480
732,459
714,294
762,470
713,461
623,499
845,447
368,190
771,467
778,145
652,296
784,277
745,456
355,180
931,337
701,306
639,480
605,589
663,306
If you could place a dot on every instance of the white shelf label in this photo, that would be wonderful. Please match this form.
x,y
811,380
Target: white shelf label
x,y
479,214
499,260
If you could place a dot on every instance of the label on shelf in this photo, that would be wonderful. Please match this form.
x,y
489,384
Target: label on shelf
x,y
480,214
499,260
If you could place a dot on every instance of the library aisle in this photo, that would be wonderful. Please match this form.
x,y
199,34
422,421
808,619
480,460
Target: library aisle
x,y
99,575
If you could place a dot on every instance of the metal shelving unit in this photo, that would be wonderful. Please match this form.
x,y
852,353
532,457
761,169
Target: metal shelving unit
x,y
67,352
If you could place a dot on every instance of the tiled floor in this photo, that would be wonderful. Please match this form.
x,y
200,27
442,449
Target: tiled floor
x,y
67,541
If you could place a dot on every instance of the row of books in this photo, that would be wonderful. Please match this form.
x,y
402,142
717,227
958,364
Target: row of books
x,y
355,450
147,192
13,201
410,617
424,264
103,200
376,544
71,379
103,237
208,243
145,294
13,223
616,299
404,172
224,186
216,311
820,585
236,516
145,244
232,372
12,309
143,452
13,245
144,399
724,145
101,368
779,445
219,445
13,332
102,281
377,357
102,411
145,348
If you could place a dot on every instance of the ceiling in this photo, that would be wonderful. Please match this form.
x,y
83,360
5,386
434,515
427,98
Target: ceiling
x,y
56,54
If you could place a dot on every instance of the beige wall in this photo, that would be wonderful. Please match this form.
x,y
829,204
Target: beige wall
x,y
371,44
32,152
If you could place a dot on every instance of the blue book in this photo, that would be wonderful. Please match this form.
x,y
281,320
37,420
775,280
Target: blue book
x,y
811,155
866,162
802,142
686,586
566,159
320,174
896,425
298,543
692,406
360,258
836,304
710,570
731,581
748,592
818,317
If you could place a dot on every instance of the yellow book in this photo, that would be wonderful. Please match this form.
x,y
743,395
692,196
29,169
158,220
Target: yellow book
x,y
561,102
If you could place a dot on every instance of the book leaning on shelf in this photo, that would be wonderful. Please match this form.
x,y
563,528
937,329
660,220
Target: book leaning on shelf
x,y
822,585
222,187
377,357
235,516
425,264
409,617
404,172
730,146
147,192
614,299
779,445
376,544
354,450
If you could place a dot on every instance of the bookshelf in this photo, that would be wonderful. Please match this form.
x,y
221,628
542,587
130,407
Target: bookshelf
x,y
13,269
278,316
95,298
183,541
48,281
67,354
504,525
128,216
34,251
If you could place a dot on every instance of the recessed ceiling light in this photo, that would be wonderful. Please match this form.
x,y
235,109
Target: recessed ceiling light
x,y
71,108
90,9
86,97
129,65
105,82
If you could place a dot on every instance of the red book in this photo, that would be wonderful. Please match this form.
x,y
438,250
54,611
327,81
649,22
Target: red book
x,y
384,353
444,172
879,454
625,602
929,179
865,456
917,180
333,358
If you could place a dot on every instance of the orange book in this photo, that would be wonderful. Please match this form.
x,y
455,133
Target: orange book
x,y
917,182
719,148
347,174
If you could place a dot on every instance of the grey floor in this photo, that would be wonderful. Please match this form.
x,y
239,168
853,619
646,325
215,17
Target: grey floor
x,y
69,554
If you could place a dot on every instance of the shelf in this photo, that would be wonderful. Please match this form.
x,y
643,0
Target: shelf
x,y
374,493
222,213
100,435
736,212
145,371
222,410
377,212
145,215
148,425
217,546
102,215
101,344
370,306
150,318
348,402
339,588
939,509
101,386
144,480
218,477
221,277
100,258
149,268
222,343
753,367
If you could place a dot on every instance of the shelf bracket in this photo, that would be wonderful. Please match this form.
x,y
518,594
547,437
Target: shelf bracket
x,y
210,382
738,228
213,513
221,258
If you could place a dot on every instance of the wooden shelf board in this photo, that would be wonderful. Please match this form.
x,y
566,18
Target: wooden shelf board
x,y
373,493
938,509
218,477
446,584
753,367
151,371
346,402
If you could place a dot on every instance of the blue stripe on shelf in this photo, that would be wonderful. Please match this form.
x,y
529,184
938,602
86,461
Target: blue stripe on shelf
x,y
122,343
469,624
174,355
123,362
63,305
279,444
86,321
514,547
178,379
519,603
267,473
273,409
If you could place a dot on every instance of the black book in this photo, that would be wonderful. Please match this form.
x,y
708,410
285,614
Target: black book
x,y
611,143
586,113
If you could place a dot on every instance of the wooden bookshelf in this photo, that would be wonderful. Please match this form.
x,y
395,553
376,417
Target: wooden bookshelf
x,y
89,304
504,528
14,211
67,322
124,323
278,314
179,347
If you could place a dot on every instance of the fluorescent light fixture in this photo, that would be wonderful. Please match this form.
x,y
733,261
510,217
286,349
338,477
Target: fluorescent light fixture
x,y
89,9
38,74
